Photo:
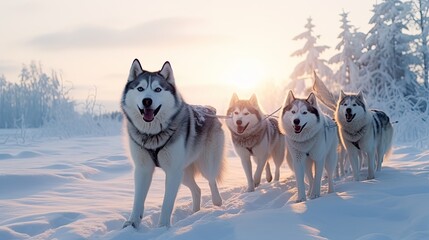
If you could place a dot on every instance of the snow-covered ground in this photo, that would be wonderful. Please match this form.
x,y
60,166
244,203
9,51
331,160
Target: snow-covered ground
x,y
82,188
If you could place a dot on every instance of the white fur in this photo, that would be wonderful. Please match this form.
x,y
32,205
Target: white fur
x,y
315,142
180,164
270,144
360,130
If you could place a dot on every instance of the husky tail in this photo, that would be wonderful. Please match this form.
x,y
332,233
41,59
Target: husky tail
x,y
323,94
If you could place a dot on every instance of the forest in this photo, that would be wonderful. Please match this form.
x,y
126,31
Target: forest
x,y
389,63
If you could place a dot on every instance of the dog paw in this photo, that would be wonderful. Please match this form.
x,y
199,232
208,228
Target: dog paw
x,y
313,196
257,183
370,177
300,200
250,189
133,224
217,201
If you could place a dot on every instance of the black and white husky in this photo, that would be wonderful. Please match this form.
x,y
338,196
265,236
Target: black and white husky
x,y
164,131
361,130
254,135
311,139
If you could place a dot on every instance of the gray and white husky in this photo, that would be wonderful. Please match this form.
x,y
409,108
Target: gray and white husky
x,y
164,131
311,139
254,135
361,130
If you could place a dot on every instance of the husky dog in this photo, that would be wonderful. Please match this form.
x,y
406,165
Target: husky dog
x,y
164,131
255,135
311,138
362,131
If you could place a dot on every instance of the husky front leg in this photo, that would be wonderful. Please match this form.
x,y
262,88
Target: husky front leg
x,y
371,163
172,184
353,153
247,166
142,181
261,161
315,189
299,166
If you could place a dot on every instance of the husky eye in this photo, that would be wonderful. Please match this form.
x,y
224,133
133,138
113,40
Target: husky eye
x,y
236,113
345,104
246,113
354,105
293,112
140,89
158,89
305,112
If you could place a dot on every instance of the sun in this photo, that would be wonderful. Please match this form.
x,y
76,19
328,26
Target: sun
x,y
244,74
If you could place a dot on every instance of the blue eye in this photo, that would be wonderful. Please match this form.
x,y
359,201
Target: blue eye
x,y
158,89
140,89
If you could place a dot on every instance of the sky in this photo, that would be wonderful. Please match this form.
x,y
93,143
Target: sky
x,y
215,47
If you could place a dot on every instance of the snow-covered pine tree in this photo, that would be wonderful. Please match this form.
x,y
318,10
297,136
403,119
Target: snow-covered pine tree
x,y
420,15
388,57
312,62
350,50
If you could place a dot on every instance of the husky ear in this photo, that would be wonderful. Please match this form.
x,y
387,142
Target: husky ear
x,y
253,100
167,73
342,94
136,69
312,99
234,99
289,99
360,96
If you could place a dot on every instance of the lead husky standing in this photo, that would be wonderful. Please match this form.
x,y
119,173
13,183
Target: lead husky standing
x,y
311,137
164,131
255,135
361,129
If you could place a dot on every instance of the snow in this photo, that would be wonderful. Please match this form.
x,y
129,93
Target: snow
x,y
82,188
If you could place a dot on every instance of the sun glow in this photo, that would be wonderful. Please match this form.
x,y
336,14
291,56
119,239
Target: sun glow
x,y
244,75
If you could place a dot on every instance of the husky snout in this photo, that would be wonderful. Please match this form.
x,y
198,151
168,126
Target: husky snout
x,y
148,112
296,125
240,127
349,115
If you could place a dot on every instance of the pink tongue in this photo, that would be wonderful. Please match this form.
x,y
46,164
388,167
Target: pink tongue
x,y
348,116
240,129
148,115
297,128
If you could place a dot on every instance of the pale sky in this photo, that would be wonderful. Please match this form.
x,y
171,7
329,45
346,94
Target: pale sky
x,y
211,45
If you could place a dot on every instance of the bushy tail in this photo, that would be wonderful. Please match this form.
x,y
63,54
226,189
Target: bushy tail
x,y
323,94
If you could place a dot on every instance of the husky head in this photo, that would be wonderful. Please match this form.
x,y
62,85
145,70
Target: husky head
x,y
150,99
300,118
244,115
350,107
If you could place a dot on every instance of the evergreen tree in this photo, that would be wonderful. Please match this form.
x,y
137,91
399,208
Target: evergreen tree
x,y
312,61
388,58
350,47
421,20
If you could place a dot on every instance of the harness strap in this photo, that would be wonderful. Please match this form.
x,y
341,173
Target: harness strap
x,y
356,144
154,155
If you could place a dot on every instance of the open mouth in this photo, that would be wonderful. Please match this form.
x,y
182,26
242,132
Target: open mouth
x,y
298,129
349,117
240,128
149,113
